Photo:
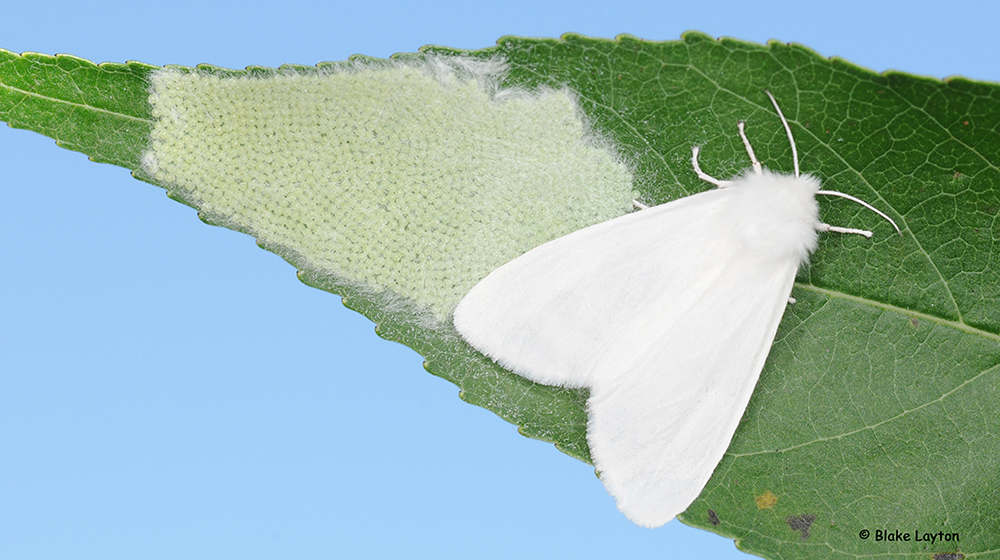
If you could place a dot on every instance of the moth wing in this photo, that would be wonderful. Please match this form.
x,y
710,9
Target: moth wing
x,y
550,314
665,316
663,409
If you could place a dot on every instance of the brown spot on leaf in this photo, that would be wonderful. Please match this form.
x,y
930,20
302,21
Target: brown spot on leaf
x,y
766,500
949,556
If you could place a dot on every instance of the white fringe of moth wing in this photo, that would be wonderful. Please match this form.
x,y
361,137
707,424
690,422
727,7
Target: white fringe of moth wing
x,y
667,314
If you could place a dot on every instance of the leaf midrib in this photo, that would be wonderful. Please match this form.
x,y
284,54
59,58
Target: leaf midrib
x,y
886,307
73,104
893,418
895,309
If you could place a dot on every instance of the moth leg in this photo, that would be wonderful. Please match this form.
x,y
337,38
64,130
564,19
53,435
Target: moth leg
x,y
701,174
638,205
791,300
746,144
828,227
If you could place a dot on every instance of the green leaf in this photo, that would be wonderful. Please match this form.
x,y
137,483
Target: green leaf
x,y
100,110
878,406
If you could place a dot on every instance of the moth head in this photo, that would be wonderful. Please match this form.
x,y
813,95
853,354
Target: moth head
x,y
778,213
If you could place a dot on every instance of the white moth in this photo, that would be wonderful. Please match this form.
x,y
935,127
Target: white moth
x,y
667,315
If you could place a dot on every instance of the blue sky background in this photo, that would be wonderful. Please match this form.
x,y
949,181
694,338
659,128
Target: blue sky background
x,y
169,390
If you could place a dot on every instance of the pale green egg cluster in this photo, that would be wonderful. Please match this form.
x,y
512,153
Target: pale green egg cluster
x,y
395,176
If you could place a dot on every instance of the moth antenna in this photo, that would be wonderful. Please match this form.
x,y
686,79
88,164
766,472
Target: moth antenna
x,y
795,159
863,203
746,143
788,129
